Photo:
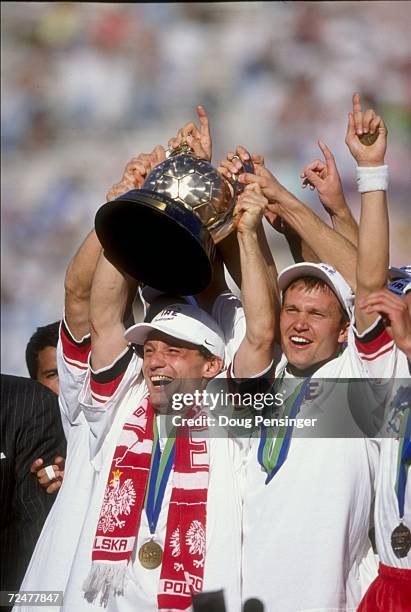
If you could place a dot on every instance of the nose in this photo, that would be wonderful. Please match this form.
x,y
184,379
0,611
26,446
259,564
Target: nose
x,y
300,322
156,360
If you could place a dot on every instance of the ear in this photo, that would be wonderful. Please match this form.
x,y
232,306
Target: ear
x,y
343,336
212,367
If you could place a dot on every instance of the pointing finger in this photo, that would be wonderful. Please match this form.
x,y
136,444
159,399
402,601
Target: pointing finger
x,y
356,108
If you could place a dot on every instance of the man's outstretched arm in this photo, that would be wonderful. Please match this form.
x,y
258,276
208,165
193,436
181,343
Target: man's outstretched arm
x,y
373,243
329,246
324,176
259,293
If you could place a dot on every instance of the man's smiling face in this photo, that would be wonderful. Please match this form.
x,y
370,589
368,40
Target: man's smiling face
x,y
311,323
173,366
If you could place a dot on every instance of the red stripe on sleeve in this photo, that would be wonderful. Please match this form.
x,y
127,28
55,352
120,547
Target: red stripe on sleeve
x,y
377,355
75,353
102,391
369,347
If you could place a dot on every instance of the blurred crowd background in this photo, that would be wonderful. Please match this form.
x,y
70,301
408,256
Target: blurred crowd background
x,y
85,86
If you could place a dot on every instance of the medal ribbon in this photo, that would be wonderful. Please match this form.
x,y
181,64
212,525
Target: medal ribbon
x,y
272,453
404,460
160,468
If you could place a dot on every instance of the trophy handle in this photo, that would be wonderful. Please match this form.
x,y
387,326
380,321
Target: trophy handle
x,y
182,148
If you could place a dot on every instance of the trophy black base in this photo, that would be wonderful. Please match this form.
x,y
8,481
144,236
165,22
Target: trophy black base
x,y
156,241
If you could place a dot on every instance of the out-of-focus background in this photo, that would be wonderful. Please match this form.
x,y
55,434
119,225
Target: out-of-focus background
x,y
85,86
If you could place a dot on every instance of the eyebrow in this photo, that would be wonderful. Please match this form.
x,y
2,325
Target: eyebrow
x,y
49,371
313,309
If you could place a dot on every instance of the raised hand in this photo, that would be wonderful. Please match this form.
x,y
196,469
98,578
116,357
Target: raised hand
x,y
324,177
395,313
232,167
249,209
359,124
198,139
136,172
50,484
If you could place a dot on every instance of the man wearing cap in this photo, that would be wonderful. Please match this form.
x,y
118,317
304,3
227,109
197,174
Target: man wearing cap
x,y
308,501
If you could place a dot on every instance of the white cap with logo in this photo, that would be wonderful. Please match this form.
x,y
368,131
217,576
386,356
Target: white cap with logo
x,y
184,322
399,280
401,272
327,273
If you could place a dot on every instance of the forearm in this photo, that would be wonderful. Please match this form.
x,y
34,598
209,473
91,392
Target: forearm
x,y
78,281
373,252
373,247
329,246
270,267
108,302
258,294
345,224
299,249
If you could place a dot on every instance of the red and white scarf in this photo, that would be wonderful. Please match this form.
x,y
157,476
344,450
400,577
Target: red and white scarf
x,y
184,551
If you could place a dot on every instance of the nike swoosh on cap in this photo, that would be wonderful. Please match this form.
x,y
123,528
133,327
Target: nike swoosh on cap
x,y
209,343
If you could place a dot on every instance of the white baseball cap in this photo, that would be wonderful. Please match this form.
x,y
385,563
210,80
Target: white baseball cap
x,y
399,286
325,272
184,322
401,272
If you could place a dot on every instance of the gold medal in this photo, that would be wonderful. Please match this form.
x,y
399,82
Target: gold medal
x,y
150,555
401,541
368,139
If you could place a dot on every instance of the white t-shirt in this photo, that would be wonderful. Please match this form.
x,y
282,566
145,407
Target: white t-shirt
x,y
305,533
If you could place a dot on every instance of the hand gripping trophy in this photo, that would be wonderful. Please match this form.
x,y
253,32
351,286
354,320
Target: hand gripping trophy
x,y
164,235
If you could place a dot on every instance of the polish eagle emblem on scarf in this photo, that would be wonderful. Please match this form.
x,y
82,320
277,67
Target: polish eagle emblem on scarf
x,y
196,540
118,500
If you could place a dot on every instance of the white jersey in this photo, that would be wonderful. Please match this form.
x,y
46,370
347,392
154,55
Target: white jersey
x,y
62,557
305,533
384,360
229,314
50,564
223,538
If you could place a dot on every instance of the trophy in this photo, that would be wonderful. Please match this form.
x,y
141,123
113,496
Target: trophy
x,y
164,235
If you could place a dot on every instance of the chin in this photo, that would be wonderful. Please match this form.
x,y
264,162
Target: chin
x,y
296,359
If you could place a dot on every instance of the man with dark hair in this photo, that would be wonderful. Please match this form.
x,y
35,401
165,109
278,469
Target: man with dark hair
x,y
41,357
41,360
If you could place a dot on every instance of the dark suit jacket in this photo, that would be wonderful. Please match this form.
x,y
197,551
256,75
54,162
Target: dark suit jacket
x,y
30,427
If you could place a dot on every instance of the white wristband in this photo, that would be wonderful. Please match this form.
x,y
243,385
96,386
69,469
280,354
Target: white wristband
x,y
373,178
